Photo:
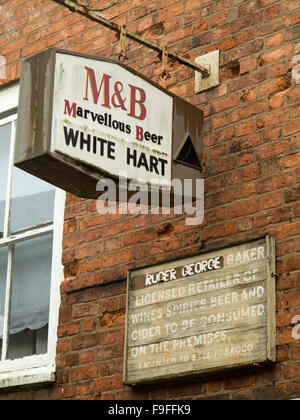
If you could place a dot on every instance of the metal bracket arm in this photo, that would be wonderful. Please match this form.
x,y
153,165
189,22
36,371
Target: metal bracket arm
x,y
89,13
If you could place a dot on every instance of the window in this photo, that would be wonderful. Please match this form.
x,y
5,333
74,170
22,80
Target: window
x,y
31,223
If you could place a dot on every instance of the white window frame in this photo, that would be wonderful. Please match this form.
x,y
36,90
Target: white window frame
x,y
35,368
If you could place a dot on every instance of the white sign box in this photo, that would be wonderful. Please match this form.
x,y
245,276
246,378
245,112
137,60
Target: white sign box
x,y
113,119
83,118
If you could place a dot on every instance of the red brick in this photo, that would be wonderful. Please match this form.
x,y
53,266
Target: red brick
x,y
92,220
244,175
223,197
272,12
277,101
84,389
273,149
89,250
246,21
277,69
265,3
246,9
68,391
246,50
222,45
84,373
63,346
243,129
221,32
159,247
249,95
108,384
273,216
69,329
292,370
74,240
72,359
70,226
218,19
295,352
217,151
94,234
293,95
273,133
248,80
273,200
289,5
219,136
286,336
293,264
274,25
272,118
292,194
246,158
117,228
248,64
13,46
140,252
116,258
139,237
88,324
245,190
113,244
217,166
34,48
221,121
172,11
217,231
76,210
276,54
226,103
240,381
292,127
292,229
85,309
247,111
85,341
297,17
275,183
244,224
296,113
276,85
274,40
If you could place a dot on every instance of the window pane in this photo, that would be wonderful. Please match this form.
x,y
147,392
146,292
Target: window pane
x,y
3,272
30,297
32,201
4,158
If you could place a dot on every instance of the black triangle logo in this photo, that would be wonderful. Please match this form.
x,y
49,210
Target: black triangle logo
x,y
188,155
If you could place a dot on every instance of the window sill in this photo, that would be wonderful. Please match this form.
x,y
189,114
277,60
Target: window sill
x,y
41,374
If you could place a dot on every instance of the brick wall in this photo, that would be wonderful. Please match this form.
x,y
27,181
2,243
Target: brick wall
x,y
252,178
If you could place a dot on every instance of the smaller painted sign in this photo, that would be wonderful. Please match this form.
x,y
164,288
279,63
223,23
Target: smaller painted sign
x,y
201,314
84,118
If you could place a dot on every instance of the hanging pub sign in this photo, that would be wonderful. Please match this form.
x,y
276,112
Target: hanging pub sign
x,y
82,118
201,314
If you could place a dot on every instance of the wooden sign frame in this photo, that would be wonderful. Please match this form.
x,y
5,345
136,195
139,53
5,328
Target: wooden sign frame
x,y
212,311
